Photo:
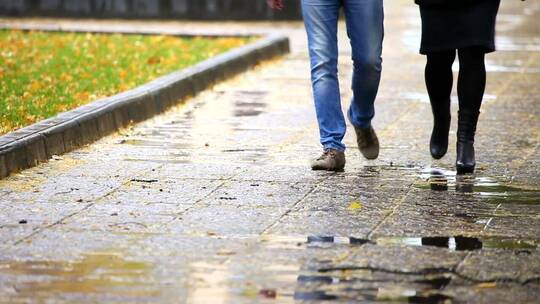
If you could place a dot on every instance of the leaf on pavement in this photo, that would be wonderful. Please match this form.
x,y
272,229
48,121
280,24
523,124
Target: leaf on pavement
x,y
355,205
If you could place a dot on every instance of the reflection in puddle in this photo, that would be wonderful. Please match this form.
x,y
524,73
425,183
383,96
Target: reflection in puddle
x,y
208,283
460,243
314,239
322,280
455,243
372,283
98,274
489,189
314,296
249,103
354,289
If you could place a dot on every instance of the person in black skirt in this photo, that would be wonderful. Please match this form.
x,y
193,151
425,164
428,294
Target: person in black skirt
x,y
468,27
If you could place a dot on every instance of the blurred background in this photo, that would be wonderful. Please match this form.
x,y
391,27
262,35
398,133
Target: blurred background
x,y
151,9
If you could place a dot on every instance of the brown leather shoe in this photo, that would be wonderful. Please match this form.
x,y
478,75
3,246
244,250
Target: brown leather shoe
x,y
330,160
368,143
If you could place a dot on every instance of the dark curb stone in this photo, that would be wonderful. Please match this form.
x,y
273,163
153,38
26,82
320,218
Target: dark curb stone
x,y
27,147
3,169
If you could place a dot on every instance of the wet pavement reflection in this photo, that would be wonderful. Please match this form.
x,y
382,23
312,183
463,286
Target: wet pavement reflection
x,y
106,274
490,190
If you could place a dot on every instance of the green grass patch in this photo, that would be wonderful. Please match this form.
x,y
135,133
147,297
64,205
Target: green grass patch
x,y
44,73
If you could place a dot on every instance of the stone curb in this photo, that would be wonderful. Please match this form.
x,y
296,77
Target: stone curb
x,y
29,146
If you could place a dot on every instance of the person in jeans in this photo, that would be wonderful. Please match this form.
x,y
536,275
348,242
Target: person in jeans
x,y
364,20
468,27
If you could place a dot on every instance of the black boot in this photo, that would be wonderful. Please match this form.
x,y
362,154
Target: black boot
x,y
465,161
438,145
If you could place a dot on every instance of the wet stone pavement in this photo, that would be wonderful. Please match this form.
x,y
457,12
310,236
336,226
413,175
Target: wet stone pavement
x,y
214,202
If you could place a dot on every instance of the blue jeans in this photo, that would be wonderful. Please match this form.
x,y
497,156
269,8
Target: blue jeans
x,y
364,19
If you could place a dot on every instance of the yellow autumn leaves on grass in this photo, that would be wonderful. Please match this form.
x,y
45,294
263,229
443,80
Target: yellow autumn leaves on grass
x,y
42,74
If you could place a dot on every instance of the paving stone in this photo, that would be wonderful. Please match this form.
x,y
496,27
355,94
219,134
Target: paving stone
x,y
122,222
500,292
281,173
145,190
258,194
196,171
327,223
401,258
226,220
65,189
519,265
437,214
38,214
518,227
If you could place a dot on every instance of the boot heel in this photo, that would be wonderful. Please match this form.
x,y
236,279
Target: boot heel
x,y
465,158
438,144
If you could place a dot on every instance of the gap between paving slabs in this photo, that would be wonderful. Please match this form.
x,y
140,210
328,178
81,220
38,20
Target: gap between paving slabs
x,y
31,145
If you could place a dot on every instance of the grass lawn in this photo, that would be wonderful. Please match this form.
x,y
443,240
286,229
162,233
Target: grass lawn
x,y
44,73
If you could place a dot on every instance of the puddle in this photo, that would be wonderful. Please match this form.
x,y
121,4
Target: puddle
x,y
314,296
247,108
209,283
489,189
216,282
336,240
249,103
388,294
312,241
155,144
96,273
460,243
454,243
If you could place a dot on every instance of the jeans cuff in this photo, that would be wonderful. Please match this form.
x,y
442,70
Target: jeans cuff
x,y
363,125
334,147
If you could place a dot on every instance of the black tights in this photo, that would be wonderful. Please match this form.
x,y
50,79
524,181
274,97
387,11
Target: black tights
x,y
471,81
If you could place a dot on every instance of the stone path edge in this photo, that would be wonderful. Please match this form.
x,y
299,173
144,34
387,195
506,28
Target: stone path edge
x,y
39,142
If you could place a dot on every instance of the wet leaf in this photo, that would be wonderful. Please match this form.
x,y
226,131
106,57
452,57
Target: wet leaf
x,y
268,293
225,252
355,205
250,293
487,285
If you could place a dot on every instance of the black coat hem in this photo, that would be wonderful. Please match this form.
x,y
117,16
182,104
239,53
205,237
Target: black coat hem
x,y
487,45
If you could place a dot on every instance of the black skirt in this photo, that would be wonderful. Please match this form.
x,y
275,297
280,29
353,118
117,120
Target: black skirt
x,y
448,27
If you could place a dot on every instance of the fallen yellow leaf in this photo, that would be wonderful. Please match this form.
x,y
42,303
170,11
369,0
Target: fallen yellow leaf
x,y
355,205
